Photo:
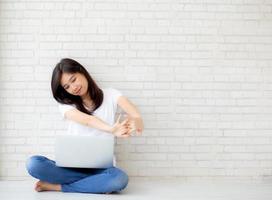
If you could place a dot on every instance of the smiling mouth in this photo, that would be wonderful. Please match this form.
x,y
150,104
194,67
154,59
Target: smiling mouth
x,y
78,91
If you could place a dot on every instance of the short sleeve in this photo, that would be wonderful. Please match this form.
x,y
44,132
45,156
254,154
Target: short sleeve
x,y
115,95
64,108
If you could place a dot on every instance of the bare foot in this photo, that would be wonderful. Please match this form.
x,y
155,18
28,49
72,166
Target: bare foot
x,y
45,186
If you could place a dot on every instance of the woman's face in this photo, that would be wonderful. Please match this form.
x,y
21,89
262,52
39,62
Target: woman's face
x,y
75,84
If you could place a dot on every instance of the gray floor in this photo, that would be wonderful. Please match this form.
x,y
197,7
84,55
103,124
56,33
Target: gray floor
x,y
147,189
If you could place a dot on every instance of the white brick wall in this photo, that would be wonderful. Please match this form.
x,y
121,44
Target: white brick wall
x,y
200,72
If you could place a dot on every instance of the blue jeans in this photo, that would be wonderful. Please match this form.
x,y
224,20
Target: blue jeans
x,y
85,180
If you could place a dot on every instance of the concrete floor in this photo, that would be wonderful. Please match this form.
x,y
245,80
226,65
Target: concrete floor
x,y
167,189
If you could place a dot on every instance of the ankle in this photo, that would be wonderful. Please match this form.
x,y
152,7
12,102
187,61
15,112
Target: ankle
x,y
58,187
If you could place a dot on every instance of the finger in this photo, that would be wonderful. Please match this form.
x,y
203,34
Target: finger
x,y
125,121
128,124
128,131
123,130
118,119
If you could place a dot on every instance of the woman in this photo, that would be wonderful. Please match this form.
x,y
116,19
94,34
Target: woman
x,y
89,110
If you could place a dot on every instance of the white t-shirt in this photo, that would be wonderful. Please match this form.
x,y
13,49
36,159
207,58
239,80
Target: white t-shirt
x,y
106,112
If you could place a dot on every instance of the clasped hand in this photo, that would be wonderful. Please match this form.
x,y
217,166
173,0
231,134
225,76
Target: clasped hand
x,y
127,126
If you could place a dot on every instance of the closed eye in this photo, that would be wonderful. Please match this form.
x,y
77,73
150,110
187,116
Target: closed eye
x,y
66,88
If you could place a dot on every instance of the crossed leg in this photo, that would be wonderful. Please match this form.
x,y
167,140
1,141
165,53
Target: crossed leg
x,y
66,179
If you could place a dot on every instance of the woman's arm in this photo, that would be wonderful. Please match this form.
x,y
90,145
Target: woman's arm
x,y
135,119
87,120
118,129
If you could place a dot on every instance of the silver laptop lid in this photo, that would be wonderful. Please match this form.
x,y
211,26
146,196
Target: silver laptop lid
x,y
84,151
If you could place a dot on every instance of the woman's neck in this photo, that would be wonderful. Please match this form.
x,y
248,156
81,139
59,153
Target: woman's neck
x,y
87,101
86,97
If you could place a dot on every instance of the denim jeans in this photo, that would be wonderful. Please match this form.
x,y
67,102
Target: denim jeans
x,y
84,180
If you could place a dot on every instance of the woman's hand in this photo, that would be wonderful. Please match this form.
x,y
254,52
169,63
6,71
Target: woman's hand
x,y
135,124
121,129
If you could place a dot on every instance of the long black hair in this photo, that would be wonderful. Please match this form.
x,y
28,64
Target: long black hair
x,y
67,65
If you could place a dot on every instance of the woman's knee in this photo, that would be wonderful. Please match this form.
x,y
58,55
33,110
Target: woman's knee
x,y
119,180
34,164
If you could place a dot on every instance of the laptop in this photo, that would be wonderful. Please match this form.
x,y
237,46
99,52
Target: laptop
x,y
84,151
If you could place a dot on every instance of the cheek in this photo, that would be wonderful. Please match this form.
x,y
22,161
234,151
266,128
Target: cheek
x,y
69,90
83,83
78,82
86,84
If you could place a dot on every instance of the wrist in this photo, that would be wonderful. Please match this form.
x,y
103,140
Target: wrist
x,y
109,129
